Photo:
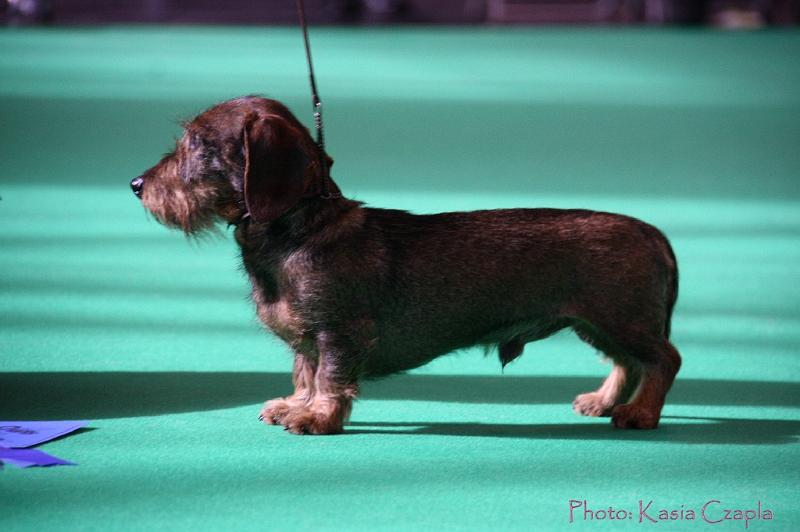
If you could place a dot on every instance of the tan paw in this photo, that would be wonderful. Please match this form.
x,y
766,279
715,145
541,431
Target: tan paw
x,y
633,417
306,420
275,411
591,404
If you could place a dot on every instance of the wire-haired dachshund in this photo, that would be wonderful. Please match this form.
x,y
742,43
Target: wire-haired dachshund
x,y
359,292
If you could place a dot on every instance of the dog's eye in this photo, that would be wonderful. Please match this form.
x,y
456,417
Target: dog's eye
x,y
194,142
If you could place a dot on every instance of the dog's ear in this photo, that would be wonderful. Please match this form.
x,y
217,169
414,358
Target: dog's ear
x,y
274,167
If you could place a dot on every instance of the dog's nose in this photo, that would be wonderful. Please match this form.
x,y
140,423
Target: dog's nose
x,y
136,185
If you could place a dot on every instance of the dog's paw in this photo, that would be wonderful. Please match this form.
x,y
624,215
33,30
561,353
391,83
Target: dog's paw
x,y
633,417
275,411
310,421
591,404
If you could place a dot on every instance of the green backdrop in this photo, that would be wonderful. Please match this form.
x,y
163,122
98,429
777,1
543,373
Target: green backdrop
x,y
107,316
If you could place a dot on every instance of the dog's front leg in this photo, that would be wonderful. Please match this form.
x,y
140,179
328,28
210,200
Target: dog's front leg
x,y
275,411
334,388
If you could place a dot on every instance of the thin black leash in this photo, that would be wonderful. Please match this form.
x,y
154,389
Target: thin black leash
x,y
317,103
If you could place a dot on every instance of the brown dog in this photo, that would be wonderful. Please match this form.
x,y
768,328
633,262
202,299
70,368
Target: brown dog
x,y
361,292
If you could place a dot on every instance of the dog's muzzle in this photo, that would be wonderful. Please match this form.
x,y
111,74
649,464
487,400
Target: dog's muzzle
x,y
136,185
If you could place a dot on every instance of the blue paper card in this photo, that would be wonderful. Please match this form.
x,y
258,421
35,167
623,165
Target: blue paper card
x,y
29,457
18,434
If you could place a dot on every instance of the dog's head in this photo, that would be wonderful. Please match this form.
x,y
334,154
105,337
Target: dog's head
x,y
248,155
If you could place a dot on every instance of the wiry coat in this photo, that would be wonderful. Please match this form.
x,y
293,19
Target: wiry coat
x,y
362,292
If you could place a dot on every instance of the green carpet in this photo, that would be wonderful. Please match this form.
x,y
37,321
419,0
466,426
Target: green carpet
x,y
107,316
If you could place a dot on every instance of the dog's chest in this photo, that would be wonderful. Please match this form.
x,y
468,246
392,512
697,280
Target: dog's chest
x,y
279,316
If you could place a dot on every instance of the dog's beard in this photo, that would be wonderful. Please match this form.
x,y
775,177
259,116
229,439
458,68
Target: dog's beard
x,y
193,211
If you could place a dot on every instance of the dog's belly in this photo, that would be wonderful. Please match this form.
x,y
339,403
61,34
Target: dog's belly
x,y
401,349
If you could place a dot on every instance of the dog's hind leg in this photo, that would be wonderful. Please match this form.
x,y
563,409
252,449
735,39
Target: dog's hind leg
x,y
660,363
643,356
618,387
